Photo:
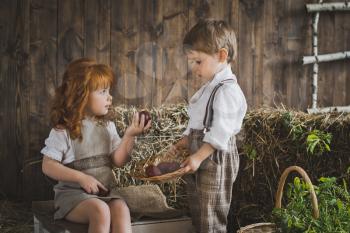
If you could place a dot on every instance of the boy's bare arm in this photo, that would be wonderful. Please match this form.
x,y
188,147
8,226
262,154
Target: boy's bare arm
x,y
192,163
204,151
182,143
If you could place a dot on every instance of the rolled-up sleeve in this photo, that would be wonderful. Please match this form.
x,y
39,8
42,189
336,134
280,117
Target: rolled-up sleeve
x,y
187,130
56,145
229,109
115,138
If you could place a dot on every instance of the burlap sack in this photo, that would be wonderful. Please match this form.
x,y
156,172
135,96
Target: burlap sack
x,y
146,201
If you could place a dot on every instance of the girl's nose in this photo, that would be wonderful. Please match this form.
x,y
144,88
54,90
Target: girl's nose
x,y
110,97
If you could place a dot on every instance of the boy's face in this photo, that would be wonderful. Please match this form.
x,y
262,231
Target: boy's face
x,y
203,65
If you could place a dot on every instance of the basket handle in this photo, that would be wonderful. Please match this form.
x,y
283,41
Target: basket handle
x,y
316,212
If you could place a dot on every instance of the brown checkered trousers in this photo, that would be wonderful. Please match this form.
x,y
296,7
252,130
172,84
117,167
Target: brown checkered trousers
x,y
209,189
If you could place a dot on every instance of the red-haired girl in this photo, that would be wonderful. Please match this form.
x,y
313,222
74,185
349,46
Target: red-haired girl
x,y
82,147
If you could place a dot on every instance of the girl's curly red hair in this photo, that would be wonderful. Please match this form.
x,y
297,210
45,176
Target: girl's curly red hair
x,y
81,77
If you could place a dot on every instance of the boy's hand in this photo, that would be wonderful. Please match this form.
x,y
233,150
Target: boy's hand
x,y
192,163
173,150
137,126
91,185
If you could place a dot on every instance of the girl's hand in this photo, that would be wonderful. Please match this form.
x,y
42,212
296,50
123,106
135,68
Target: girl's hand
x,y
191,164
137,126
91,185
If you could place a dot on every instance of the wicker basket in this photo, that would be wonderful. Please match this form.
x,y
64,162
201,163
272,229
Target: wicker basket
x,y
139,171
271,227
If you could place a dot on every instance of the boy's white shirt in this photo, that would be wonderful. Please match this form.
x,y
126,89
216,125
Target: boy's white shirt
x,y
229,108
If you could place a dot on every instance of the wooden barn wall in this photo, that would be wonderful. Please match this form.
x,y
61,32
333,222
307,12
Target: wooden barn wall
x,y
141,40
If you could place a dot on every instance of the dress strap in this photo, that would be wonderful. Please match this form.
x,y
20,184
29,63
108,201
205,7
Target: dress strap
x,y
209,112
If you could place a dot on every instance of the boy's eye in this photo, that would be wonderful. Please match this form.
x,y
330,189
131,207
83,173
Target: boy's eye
x,y
195,62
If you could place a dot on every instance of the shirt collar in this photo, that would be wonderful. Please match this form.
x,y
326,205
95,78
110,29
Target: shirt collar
x,y
225,73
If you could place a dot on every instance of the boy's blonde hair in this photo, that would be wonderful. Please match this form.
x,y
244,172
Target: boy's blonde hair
x,y
209,36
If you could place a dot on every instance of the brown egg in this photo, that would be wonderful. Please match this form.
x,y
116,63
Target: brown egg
x,y
152,170
102,192
167,167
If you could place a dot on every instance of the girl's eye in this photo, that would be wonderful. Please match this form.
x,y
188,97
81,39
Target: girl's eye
x,y
198,62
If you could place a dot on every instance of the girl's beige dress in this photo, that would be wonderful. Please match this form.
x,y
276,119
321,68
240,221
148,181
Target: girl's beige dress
x,y
90,155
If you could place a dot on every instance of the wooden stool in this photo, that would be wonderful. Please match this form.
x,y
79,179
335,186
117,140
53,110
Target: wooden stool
x,y
44,223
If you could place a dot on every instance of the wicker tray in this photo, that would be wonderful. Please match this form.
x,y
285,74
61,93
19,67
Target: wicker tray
x,y
139,171
271,227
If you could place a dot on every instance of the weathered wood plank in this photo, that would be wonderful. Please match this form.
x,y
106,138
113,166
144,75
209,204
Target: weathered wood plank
x,y
258,52
124,43
23,88
270,64
233,19
97,39
293,32
196,10
70,33
346,44
339,71
157,32
302,41
173,63
13,92
144,55
43,48
250,24
326,45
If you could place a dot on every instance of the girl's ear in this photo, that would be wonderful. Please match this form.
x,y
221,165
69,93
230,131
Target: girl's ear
x,y
223,54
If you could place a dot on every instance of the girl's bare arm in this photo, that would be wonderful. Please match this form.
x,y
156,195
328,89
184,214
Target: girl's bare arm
x,y
59,172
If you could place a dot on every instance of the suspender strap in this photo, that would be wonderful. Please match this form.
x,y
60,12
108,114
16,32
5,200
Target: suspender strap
x,y
209,112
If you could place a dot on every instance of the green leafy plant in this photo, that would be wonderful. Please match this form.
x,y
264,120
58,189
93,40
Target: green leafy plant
x,y
318,142
334,206
296,128
250,151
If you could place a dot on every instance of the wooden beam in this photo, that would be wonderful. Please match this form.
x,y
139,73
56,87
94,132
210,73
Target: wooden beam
x,y
326,57
329,109
335,6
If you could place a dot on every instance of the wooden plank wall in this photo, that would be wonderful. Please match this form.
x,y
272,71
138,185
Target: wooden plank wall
x,y
141,40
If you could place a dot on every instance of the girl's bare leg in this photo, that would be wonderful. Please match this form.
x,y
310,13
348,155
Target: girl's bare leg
x,y
94,212
120,216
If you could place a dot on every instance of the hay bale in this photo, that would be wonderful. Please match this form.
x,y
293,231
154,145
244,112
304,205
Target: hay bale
x,y
168,124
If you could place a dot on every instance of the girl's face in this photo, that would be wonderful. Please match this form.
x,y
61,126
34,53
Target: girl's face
x,y
203,66
99,102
